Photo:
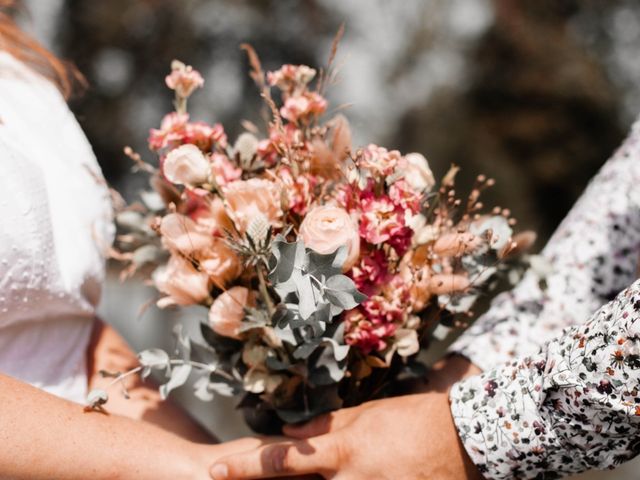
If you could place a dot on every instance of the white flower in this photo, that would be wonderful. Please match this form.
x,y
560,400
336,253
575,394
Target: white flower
x,y
417,172
187,165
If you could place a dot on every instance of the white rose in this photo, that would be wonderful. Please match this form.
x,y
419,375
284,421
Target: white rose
x,y
187,165
417,172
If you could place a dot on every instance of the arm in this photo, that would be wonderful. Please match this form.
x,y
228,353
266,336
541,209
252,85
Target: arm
x,y
594,254
572,407
108,351
46,437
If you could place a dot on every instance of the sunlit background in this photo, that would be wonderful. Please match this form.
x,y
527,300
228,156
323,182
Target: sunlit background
x,y
536,94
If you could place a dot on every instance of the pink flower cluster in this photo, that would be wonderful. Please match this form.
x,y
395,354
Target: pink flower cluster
x,y
300,104
175,130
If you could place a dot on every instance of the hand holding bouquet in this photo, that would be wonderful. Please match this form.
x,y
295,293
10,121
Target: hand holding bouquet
x,y
322,269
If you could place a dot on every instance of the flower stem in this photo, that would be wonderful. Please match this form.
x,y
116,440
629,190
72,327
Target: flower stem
x,y
264,292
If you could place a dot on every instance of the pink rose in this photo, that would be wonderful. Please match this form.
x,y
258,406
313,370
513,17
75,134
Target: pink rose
x,y
186,165
181,234
181,282
247,199
227,312
183,79
220,262
326,228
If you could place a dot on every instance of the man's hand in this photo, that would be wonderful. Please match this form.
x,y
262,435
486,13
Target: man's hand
x,y
409,437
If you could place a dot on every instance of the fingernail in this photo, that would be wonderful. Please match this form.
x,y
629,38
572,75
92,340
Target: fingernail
x,y
220,472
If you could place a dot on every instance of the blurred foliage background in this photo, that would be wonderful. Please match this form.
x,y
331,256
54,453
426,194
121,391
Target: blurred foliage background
x,y
536,94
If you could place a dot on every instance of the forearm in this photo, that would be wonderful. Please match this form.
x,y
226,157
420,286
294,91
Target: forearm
x,y
45,437
109,352
571,407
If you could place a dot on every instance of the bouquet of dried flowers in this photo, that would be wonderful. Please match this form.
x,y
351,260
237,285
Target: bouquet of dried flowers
x,y
322,269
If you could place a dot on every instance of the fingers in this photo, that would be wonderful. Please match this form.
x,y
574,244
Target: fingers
x,y
280,459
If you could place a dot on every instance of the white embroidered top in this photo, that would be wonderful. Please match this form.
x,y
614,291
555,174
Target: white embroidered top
x,y
55,221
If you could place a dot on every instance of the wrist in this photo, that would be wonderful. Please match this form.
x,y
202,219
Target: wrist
x,y
451,369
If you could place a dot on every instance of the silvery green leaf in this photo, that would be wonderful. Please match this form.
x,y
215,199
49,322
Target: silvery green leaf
x,y
305,350
152,200
326,265
286,265
179,376
340,352
308,296
153,358
285,334
201,389
204,389
96,398
326,369
341,291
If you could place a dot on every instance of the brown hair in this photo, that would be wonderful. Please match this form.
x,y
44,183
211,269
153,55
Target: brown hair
x,y
26,49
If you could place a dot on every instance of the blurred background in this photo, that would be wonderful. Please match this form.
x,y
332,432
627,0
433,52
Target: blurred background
x,y
535,94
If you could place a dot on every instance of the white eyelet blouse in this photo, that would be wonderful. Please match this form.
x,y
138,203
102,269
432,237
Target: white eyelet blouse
x,y
55,222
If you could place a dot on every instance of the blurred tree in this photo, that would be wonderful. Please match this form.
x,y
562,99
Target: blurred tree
x,y
539,113
125,49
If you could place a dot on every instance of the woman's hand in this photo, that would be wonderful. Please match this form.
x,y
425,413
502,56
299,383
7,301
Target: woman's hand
x,y
409,437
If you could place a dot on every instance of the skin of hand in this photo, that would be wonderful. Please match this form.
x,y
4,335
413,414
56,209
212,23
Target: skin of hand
x,y
108,351
401,438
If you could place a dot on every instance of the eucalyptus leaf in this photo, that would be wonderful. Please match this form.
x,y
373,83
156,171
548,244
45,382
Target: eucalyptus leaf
x,y
341,291
153,358
179,376
287,263
147,254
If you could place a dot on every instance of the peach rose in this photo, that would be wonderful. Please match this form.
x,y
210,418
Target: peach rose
x,y
246,199
213,217
186,165
327,228
181,234
181,282
417,172
220,262
227,312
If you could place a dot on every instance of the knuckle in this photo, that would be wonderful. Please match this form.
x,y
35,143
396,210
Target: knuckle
x,y
279,459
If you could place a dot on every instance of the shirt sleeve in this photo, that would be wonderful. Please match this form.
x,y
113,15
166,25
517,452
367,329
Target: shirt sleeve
x,y
592,256
572,407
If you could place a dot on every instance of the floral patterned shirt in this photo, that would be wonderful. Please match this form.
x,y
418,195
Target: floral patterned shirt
x,y
550,402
